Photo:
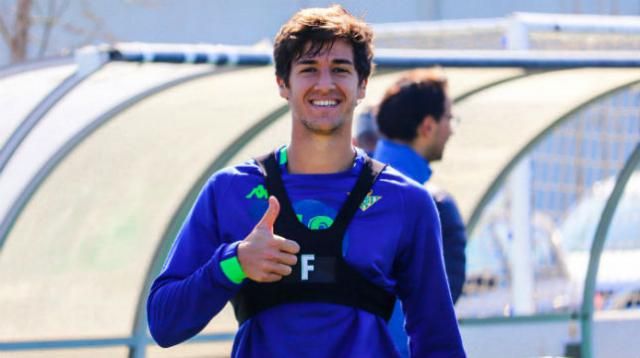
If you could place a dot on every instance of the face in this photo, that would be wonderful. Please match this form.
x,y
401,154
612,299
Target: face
x,y
323,90
442,130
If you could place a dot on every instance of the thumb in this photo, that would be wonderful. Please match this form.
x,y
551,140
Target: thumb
x,y
270,216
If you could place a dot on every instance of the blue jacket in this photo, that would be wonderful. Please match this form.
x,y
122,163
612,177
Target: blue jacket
x,y
393,240
454,239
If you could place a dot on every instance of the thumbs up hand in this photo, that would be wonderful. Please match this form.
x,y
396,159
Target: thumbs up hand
x,y
266,257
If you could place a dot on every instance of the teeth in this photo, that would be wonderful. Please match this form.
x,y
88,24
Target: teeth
x,y
325,103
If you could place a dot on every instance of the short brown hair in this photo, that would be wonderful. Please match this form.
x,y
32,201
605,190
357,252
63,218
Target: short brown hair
x,y
321,27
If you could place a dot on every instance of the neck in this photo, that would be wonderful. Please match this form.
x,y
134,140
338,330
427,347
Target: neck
x,y
319,155
420,148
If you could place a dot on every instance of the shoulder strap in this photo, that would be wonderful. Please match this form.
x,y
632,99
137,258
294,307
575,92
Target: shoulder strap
x,y
368,175
273,181
261,163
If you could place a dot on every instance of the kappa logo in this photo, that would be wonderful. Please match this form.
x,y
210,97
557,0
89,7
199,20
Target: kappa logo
x,y
258,192
369,200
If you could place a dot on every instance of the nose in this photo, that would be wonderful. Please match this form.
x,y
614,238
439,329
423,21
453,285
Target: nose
x,y
325,80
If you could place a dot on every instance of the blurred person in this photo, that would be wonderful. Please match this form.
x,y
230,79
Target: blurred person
x,y
313,242
366,131
415,121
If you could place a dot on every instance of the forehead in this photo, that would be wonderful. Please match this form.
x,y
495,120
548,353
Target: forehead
x,y
337,50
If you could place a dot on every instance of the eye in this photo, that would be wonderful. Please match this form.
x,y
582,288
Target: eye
x,y
308,70
341,70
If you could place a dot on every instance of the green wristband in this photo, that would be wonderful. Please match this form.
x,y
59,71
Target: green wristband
x,y
232,269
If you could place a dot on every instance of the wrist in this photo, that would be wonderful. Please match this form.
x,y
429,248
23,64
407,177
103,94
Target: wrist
x,y
231,267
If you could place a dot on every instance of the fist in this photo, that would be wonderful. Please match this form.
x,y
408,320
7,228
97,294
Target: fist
x,y
266,257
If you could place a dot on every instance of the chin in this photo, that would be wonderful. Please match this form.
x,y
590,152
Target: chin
x,y
322,129
433,158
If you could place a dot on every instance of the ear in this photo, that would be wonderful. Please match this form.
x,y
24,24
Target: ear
x,y
427,127
362,89
282,88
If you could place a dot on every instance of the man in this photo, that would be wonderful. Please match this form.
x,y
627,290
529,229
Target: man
x,y
311,243
414,118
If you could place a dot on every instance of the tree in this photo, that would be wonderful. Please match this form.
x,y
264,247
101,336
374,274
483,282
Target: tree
x,y
28,26
17,36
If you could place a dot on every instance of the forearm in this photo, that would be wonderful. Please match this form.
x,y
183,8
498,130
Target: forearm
x,y
180,307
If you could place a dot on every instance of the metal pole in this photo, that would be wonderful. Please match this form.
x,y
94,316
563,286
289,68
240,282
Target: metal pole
x,y
522,282
596,251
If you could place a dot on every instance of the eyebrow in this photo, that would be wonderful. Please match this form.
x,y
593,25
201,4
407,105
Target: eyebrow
x,y
311,61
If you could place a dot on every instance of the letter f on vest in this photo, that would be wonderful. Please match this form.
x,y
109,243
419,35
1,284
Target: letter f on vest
x,y
306,267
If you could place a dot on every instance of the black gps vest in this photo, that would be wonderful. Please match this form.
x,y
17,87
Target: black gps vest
x,y
321,273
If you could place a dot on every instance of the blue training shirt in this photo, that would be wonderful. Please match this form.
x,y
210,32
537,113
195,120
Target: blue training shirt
x,y
393,240
403,158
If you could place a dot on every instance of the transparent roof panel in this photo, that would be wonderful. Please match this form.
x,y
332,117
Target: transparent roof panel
x,y
578,228
617,282
75,262
498,122
110,86
277,134
465,80
20,93
570,175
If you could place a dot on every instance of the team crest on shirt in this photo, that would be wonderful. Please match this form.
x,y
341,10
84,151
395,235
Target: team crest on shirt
x,y
369,200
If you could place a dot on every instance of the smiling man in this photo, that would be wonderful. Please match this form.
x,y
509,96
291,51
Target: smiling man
x,y
313,242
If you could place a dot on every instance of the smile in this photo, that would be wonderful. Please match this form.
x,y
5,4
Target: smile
x,y
325,103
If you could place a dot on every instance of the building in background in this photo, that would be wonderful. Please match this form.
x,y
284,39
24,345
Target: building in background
x,y
57,27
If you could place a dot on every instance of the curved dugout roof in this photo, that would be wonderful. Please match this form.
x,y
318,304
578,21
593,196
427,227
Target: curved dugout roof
x,y
113,195
82,246
21,92
499,122
113,84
